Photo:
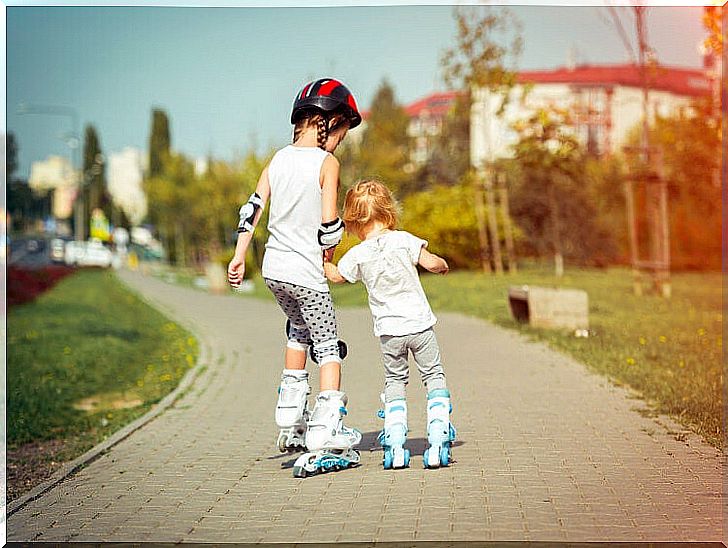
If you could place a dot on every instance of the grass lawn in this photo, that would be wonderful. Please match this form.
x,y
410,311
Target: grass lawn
x,y
668,350
83,360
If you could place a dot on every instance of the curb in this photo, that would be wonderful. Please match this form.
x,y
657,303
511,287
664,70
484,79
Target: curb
x,y
92,454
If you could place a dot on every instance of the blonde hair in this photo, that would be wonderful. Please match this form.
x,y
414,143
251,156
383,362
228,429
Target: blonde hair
x,y
366,202
323,125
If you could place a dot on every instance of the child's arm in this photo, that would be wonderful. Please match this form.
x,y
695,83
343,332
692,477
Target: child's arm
x,y
432,262
333,274
236,268
329,213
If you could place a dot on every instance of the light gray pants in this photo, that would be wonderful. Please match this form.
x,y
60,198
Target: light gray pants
x,y
426,354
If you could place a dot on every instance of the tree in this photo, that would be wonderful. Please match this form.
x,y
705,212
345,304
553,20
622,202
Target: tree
x,y
690,142
449,158
551,201
94,179
479,59
11,157
444,216
478,65
159,141
712,20
384,148
171,201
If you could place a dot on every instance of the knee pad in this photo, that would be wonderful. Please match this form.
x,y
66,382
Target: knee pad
x,y
327,348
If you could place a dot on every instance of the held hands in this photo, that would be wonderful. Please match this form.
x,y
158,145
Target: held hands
x,y
330,270
236,271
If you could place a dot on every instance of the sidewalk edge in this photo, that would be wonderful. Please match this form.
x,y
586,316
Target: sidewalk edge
x,y
72,467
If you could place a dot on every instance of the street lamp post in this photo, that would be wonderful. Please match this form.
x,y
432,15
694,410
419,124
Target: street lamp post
x,y
74,144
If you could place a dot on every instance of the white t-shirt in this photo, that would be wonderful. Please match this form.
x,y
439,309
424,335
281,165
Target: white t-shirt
x,y
386,265
292,252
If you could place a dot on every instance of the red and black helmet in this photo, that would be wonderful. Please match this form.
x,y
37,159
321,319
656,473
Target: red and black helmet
x,y
327,95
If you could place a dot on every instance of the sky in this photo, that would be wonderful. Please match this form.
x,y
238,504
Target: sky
x,y
227,76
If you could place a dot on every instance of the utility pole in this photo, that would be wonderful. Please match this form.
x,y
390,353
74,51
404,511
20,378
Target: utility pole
x,y
654,181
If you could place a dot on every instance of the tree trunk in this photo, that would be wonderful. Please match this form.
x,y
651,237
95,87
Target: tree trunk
x,y
179,244
482,233
507,228
556,232
493,221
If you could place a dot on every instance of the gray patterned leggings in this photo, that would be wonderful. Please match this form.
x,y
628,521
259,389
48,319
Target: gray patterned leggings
x,y
312,319
425,351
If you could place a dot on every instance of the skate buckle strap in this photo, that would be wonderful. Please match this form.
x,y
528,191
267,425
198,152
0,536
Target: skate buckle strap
x,y
342,410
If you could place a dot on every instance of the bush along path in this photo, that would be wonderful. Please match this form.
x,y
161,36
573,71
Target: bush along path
x,y
546,450
25,284
83,360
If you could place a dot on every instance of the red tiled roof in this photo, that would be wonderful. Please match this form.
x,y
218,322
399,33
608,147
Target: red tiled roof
x,y
436,104
681,81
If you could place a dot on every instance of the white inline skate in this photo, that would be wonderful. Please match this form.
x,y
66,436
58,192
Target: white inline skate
x,y
330,443
292,410
394,434
440,432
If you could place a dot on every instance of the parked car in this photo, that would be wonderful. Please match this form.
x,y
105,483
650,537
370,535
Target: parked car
x,y
90,253
58,250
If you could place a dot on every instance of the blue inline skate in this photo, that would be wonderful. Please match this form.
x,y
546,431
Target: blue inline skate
x,y
440,432
394,434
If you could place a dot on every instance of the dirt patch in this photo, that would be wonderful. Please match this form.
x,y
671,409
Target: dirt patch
x,y
111,400
33,463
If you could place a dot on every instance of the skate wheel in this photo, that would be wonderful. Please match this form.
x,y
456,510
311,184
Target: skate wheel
x,y
388,460
431,458
299,472
445,456
400,457
406,458
282,440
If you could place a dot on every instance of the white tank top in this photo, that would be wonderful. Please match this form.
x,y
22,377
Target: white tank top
x,y
292,252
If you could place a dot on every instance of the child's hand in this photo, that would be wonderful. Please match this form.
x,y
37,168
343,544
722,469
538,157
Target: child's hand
x,y
329,269
432,262
236,271
332,273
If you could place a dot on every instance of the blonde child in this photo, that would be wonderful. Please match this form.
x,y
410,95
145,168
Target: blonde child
x,y
385,261
302,181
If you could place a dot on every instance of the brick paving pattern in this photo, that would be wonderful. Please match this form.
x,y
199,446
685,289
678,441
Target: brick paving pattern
x,y
546,451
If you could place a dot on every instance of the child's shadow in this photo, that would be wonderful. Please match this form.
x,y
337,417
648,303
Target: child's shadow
x,y
369,443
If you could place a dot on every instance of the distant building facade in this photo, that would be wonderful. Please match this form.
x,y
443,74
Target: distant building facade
x,y
56,175
125,176
606,101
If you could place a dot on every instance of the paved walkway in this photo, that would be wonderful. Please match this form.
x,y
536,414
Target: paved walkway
x,y
546,451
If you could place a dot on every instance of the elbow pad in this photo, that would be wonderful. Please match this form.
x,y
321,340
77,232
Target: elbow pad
x,y
247,213
330,233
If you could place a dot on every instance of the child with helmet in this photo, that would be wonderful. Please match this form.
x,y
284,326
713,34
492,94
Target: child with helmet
x,y
385,261
301,181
